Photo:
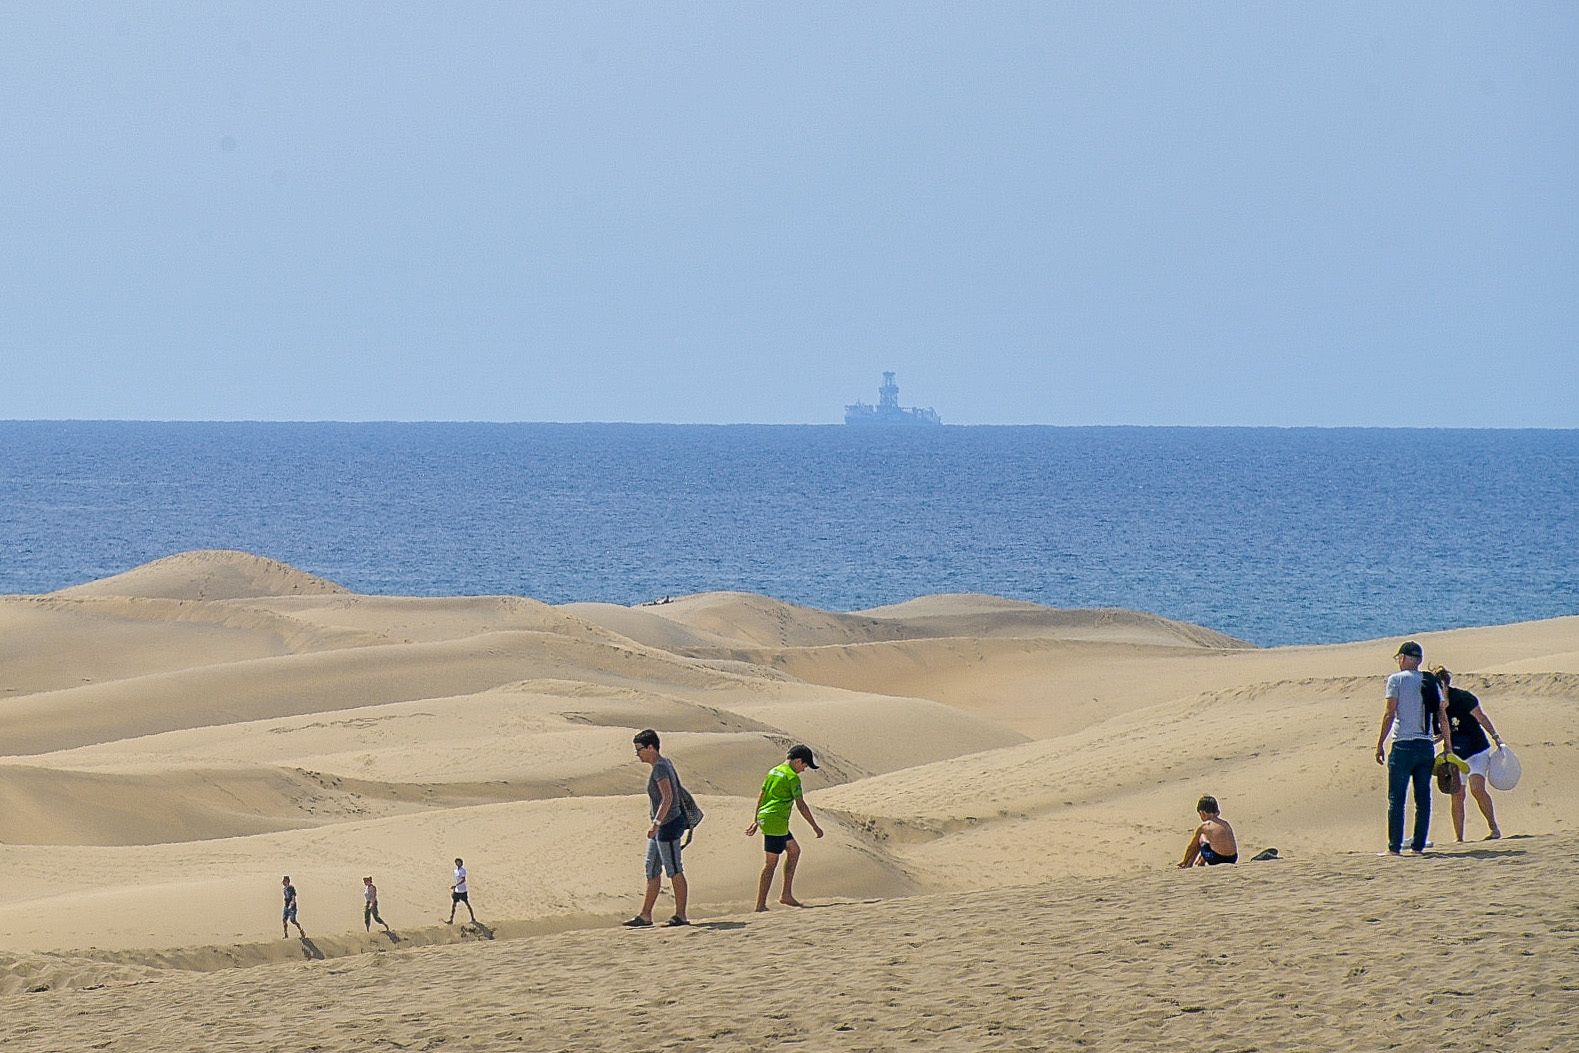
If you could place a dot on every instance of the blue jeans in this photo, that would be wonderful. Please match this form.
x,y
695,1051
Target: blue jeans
x,y
1409,761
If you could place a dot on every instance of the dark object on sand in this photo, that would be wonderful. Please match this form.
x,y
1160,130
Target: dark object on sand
x,y
1448,779
1264,854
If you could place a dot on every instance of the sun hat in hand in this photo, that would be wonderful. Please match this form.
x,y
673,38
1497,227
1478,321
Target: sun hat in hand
x,y
1503,769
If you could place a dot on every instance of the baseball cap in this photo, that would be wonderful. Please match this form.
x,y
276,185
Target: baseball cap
x,y
803,753
1410,648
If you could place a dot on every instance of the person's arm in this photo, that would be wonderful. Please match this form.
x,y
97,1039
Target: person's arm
x,y
665,796
1442,718
762,798
1485,722
805,810
1387,725
1194,850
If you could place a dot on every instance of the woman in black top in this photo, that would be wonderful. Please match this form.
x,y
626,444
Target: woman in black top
x,y
1470,725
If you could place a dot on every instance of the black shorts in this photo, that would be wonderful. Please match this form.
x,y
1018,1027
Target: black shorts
x,y
775,843
459,897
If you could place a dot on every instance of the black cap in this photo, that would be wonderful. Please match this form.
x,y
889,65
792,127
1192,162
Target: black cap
x,y
1410,648
803,753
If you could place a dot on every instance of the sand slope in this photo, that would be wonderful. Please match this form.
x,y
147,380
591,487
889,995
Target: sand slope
x,y
1467,952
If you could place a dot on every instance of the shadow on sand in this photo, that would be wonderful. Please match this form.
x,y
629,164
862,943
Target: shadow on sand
x,y
310,950
1489,853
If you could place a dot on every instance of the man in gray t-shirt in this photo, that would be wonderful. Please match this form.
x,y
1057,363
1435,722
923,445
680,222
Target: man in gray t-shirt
x,y
1409,762
663,835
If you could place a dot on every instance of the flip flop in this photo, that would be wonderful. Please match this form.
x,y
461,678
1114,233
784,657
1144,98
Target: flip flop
x,y
676,921
638,922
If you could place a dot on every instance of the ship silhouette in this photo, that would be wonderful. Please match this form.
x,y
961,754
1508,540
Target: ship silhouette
x,y
888,410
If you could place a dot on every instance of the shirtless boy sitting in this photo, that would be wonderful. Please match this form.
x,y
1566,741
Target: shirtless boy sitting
x,y
1213,841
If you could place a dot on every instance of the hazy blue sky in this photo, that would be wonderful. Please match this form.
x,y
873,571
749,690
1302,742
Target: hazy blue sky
x,y
1161,213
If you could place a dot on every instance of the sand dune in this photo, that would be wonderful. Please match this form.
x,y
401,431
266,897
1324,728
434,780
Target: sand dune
x,y
49,643
1005,787
754,621
211,574
977,616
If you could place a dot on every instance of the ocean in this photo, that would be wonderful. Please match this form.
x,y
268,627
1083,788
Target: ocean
x,y
1276,536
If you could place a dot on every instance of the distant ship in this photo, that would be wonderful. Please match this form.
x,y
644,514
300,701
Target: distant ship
x,y
888,410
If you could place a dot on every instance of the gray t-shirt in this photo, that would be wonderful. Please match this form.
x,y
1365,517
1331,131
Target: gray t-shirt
x,y
663,769
1409,719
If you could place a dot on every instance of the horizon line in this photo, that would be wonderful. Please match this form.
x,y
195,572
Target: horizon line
x,y
776,424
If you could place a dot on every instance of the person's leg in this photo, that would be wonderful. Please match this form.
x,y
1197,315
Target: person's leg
x,y
1477,786
791,857
473,913
765,882
669,854
651,897
1458,812
367,917
453,902
1397,786
1420,776
682,893
654,881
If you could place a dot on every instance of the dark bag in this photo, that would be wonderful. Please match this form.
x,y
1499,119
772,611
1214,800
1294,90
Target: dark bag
x,y
1431,699
692,812
689,809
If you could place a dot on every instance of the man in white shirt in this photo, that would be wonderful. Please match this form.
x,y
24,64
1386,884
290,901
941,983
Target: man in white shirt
x,y
1413,699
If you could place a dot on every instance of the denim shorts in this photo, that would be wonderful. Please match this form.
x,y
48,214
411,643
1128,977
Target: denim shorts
x,y
663,856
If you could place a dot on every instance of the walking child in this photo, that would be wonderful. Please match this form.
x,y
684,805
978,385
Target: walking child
x,y
459,893
288,917
780,790
370,912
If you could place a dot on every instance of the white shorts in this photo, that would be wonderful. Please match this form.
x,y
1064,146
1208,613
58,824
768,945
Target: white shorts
x,y
1479,762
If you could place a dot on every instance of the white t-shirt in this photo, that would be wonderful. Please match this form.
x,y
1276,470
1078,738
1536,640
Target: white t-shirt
x,y
370,891
460,872
1409,719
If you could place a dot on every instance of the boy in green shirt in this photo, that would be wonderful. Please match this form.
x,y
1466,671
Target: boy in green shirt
x,y
780,790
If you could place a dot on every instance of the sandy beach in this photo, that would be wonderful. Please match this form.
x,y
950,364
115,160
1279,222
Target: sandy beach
x,y
1005,789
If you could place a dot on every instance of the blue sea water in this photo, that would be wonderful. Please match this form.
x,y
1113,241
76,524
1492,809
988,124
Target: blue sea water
x,y
1275,536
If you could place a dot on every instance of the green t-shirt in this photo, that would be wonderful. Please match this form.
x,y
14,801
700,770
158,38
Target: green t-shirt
x,y
780,791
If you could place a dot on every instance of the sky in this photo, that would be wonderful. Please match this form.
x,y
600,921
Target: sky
x,y
1046,213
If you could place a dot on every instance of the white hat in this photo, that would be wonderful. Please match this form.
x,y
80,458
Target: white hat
x,y
1503,769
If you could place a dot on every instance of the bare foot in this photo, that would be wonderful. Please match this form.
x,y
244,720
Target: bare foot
x,y
1494,835
449,921
762,908
791,901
